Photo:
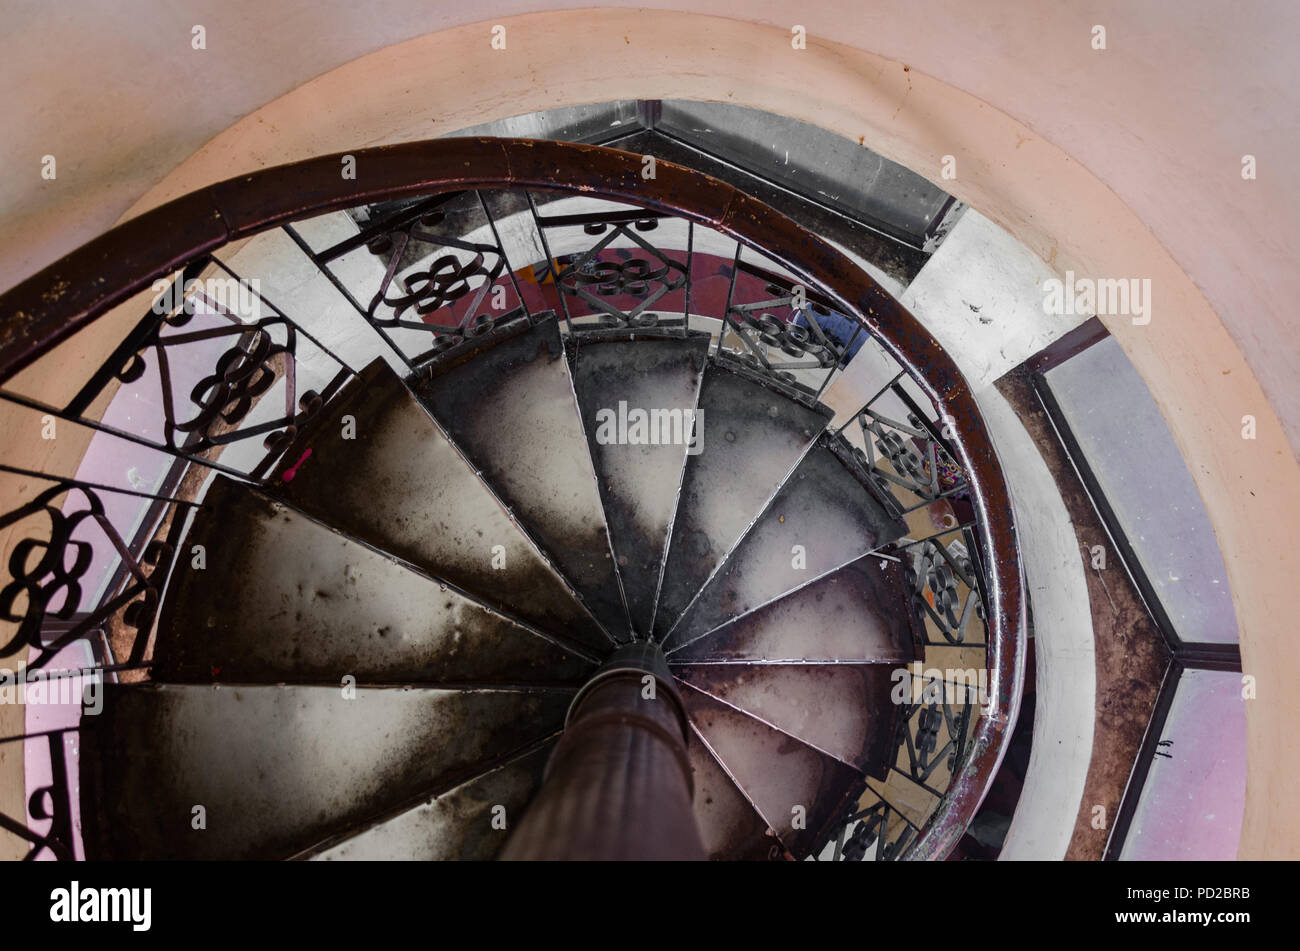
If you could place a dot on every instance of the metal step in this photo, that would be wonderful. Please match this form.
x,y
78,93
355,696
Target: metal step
x,y
380,470
380,554
752,437
797,789
640,470
855,615
284,599
843,710
821,519
273,770
468,823
730,826
511,409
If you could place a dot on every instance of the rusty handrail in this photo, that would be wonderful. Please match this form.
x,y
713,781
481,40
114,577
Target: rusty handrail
x,y
50,306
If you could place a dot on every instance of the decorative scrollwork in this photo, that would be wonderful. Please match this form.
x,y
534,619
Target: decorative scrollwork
x,y
50,803
935,579
904,459
45,571
877,827
205,410
601,273
243,373
446,280
928,721
442,298
613,278
923,727
778,326
906,456
791,339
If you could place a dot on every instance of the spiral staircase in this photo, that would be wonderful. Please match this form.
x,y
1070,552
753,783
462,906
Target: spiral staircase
x,y
603,571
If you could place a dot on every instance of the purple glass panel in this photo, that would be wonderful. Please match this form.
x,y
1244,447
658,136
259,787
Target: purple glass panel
x,y
1192,803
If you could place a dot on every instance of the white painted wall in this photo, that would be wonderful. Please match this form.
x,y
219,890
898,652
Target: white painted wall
x,y
1065,662
981,294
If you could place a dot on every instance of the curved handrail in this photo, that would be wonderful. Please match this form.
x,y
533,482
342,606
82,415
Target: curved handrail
x,y
52,305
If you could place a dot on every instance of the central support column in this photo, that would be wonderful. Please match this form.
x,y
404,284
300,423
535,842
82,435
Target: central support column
x,y
618,785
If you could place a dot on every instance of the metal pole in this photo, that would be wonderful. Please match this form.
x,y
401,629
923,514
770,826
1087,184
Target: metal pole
x,y
618,785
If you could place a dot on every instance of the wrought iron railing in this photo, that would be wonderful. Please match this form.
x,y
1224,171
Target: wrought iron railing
x,y
433,247
905,447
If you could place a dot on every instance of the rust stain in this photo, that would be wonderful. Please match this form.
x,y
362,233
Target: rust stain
x,y
56,291
1130,652
903,101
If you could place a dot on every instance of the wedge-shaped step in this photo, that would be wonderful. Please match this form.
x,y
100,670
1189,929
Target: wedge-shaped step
x,y
731,828
468,823
751,437
798,790
821,519
379,469
857,614
637,399
512,411
841,709
282,598
224,772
